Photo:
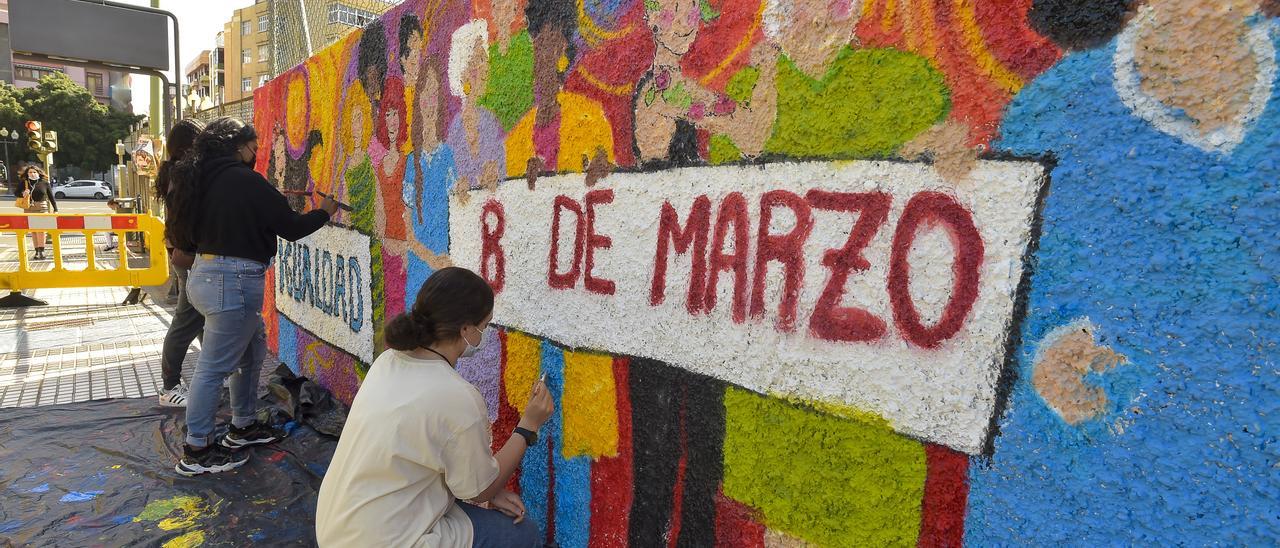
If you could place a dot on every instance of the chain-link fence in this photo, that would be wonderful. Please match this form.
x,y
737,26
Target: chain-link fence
x,y
300,28
242,109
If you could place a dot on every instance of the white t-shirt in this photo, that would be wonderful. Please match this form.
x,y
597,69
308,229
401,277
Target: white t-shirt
x,y
416,438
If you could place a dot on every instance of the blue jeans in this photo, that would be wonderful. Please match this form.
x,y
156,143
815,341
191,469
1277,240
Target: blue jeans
x,y
493,529
228,292
186,325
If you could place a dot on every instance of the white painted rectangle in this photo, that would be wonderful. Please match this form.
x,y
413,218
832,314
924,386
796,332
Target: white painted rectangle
x,y
945,394
97,222
324,283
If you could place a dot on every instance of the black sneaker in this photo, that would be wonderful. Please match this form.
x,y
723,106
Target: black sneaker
x,y
258,433
209,460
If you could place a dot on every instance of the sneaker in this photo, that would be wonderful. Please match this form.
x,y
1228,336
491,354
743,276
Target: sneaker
x,y
209,460
174,397
258,433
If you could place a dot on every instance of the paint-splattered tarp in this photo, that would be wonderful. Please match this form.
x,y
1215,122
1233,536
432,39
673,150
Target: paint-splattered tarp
x,y
101,474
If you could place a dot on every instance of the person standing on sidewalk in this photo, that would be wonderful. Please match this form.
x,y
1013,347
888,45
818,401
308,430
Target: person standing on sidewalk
x,y
233,216
35,185
187,323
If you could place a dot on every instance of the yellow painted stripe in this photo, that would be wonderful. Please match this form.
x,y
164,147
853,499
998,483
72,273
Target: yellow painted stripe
x,y
930,27
621,90
909,28
886,16
737,50
524,360
589,406
591,30
1002,77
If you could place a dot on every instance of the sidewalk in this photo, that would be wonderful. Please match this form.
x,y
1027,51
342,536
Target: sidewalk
x,y
83,346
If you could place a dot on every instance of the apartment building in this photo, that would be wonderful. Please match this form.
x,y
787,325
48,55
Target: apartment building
x,y
247,51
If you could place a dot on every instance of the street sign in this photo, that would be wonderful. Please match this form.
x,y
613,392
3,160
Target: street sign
x,y
62,28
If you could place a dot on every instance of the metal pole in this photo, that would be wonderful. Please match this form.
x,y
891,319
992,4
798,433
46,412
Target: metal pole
x,y
306,26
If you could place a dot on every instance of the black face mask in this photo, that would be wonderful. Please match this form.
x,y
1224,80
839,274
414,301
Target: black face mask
x,y
253,160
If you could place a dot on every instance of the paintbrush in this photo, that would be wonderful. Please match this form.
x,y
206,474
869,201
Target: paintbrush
x,y
341,205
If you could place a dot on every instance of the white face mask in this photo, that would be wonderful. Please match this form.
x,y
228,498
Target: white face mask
x,y
472,350
33,176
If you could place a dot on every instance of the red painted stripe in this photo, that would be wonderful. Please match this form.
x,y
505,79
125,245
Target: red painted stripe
x,y
125,222
71,222
611,478
1012,41
271,321
508,416
677,499
946,494
737,525
13,221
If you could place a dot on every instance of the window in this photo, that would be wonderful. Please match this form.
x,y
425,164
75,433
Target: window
x,y
93,81
246,56
245,28
262,54
347,15
262,79
33,72
262,24
246,84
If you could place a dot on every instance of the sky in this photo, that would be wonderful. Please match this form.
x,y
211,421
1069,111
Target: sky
x,y
199,22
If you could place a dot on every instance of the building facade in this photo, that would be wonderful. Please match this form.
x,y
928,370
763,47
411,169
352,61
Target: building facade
x,y
247,51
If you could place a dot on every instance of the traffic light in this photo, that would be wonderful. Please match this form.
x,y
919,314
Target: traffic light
x,y
35,135
51,141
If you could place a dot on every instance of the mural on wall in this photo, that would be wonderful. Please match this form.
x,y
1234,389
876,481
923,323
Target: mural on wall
x,y
818,271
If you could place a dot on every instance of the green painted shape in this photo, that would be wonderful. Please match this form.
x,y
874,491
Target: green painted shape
x,y
828,480
362,183
741,84
868,104
510,92
159,509
721,150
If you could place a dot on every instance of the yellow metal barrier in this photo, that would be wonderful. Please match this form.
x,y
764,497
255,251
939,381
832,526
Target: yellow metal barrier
x,y
52,272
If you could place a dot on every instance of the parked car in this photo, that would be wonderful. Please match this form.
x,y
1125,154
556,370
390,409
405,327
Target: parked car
x,y
82,189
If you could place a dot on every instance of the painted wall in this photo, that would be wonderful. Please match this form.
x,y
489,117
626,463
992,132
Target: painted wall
x,y
806,271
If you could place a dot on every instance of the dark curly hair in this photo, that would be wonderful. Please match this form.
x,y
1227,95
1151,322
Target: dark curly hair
x,y
222,138
181,138
451,298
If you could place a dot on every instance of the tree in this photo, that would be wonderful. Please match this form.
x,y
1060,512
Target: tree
x,y
12,115
87,130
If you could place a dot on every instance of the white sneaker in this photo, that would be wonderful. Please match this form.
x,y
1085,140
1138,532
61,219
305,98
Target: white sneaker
x,y
174,397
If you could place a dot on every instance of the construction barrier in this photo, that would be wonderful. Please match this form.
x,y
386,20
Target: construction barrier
x,y
53,272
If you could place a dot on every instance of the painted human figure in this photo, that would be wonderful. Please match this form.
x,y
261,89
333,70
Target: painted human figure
x,y
837,101
564,131
390,134
1159,233
289,173
428,175
475,135
670,106
408,58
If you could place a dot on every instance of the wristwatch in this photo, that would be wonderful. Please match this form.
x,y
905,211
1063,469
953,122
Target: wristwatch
x,y
530,437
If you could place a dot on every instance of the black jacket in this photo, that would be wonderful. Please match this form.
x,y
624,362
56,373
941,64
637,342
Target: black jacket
x,y
241,213
40,187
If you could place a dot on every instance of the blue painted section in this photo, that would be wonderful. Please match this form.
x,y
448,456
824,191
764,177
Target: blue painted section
x,y
42,488
80,496
1172,252
288,343
432,228
572,476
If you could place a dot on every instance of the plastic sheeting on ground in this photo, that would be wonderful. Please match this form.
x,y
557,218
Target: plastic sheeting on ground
x,y
101,474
